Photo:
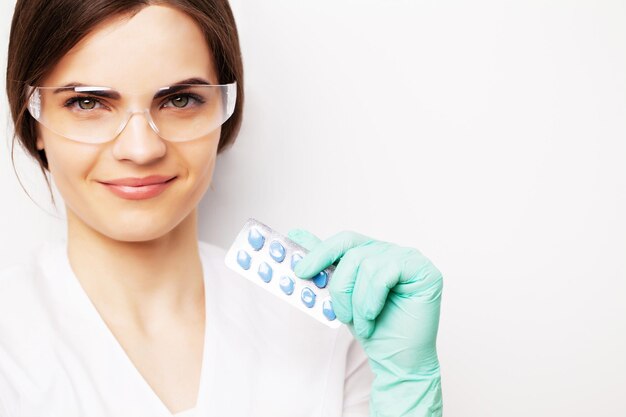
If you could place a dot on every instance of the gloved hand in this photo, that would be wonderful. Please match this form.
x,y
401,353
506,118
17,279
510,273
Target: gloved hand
x,y
389,296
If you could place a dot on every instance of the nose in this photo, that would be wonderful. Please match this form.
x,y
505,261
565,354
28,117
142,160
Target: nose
x,y
138,142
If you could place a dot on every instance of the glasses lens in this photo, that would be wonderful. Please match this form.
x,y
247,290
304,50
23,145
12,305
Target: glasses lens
x,y
83,114
191,111
96,114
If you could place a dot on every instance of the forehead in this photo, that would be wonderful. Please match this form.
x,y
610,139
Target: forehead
x,y
158,46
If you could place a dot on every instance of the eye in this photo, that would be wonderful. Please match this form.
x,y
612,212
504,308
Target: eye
x,y
84,103
180,101
184,101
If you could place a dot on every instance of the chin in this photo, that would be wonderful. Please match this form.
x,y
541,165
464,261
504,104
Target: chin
x,y
145,230
131,224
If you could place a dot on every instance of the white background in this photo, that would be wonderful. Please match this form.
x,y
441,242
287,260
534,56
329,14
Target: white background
x,y
491,135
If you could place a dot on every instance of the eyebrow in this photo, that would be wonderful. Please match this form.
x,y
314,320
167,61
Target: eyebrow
x,y
163,91
95,91
108,92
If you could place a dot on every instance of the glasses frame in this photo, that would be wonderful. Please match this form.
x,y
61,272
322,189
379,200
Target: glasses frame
x,y
34,107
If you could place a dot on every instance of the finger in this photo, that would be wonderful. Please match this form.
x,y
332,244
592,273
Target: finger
x,y
385,279
362,326
422,277
375,277
342,282
304,238
327,252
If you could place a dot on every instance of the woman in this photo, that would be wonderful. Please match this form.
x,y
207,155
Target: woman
x,y
126,103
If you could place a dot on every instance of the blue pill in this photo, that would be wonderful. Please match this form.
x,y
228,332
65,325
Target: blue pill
x,y
256,239
277,251
287,285
327,309
265,272
295,258
243,259
321,280
308,297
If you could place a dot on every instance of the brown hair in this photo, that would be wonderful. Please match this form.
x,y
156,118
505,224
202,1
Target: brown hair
x,y
43,31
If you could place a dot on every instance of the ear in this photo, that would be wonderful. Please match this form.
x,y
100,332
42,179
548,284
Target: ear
x,y
40,145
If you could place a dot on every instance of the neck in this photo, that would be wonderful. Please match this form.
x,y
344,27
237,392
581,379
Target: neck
x,y
138,281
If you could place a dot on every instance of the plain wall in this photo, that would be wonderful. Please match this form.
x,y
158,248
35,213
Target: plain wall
x,y
491,135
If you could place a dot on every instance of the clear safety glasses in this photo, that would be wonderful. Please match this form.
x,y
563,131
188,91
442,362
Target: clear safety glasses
x,y
90,114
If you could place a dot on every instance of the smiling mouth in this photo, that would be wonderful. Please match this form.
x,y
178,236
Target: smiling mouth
x,y
138,182
139,188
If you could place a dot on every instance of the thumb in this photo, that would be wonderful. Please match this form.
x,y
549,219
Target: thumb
x,y
303,238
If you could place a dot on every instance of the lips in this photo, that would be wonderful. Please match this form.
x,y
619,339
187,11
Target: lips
x,y
138,188
139,182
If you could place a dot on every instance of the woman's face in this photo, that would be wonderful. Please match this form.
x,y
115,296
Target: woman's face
x,y
157,47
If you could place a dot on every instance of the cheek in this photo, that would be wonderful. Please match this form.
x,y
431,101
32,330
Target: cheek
x,y
69,164
201,162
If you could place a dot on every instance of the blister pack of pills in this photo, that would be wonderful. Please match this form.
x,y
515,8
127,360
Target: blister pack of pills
x,y
268,259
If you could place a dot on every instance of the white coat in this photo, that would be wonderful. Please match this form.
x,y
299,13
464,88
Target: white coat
x,y
262,357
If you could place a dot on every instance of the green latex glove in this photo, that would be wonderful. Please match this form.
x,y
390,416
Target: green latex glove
x,y
389,296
